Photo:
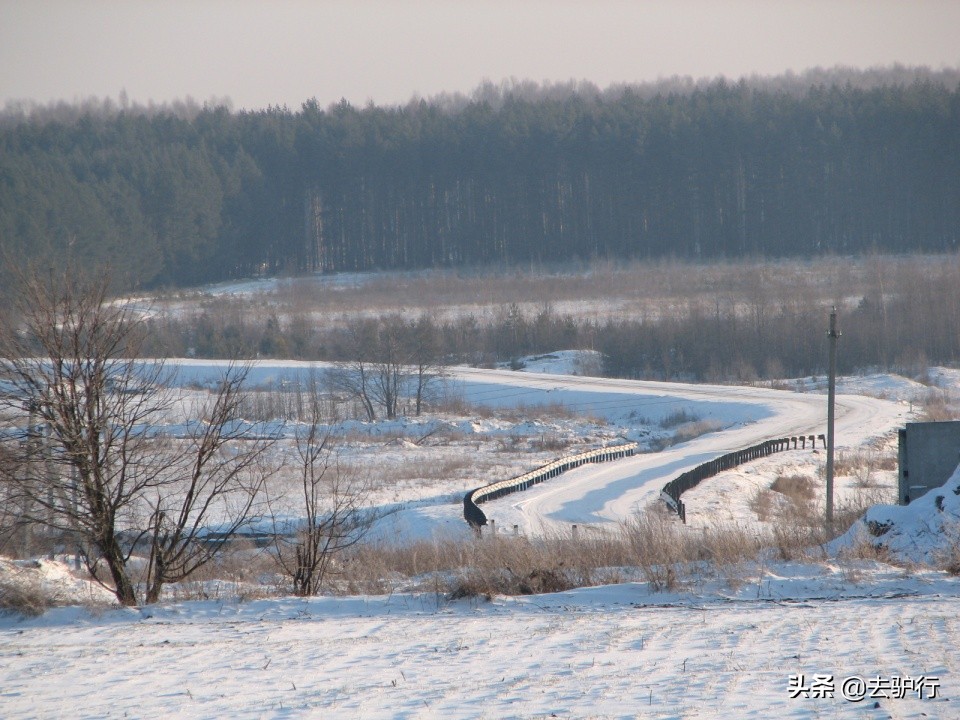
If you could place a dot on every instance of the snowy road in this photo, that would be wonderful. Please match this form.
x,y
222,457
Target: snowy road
x,y
751,641
602,494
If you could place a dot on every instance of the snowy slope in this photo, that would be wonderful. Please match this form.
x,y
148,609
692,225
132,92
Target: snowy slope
x,y
925,531
720,647
603,495
608,652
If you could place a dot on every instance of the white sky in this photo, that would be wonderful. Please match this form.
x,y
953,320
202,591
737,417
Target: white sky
x,y
283,52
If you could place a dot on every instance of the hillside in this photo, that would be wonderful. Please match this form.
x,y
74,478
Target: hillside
x,y
835,162
746,639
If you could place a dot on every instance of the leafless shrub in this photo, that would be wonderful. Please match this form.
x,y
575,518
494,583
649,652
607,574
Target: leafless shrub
x,y
24,594
798,488
451,401
294,401
550,443
948,557
331,512
936,407
794,540
678,417
685,433
763,504
852,507
866,547
241,562
659,548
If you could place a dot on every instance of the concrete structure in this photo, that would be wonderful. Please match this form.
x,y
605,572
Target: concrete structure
x,y
929,453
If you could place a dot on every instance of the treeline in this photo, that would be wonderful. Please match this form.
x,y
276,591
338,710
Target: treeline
x,y
904,316
511,175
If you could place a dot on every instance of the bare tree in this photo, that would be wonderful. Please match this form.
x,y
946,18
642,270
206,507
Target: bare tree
x,y
392,360
209,490
15,531
424,357
372,377
389,358
354,380
101,470
333,518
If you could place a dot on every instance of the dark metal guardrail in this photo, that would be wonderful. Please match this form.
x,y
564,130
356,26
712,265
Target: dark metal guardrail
x,y
675,488
476,517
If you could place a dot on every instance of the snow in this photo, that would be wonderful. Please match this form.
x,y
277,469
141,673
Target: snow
x,y
925,531
603,495
51,580
605,652
582,409
878,385
562,362
724,644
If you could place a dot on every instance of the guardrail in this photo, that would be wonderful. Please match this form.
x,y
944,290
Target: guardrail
x,y
675,488
476,517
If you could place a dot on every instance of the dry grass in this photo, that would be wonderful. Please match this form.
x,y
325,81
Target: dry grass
x,y
487,566
791,540
670,555
864,464
796,518
790,500
652,546
948,559
678,417
23,594
432,468
866,547
241,570
936,407
685,432
763,504
799,489
659,547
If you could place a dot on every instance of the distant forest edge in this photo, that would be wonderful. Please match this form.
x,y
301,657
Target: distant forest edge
x,y
830,162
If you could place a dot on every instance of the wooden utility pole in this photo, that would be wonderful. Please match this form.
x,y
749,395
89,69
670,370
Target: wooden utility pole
x,y
831,397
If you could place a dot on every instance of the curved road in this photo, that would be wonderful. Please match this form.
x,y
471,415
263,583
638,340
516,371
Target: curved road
x,y
611,492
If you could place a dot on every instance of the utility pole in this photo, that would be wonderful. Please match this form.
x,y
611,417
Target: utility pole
x,y
831,398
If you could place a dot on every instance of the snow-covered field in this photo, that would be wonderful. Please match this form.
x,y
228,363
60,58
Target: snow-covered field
x,y
606,652
595,411
717,647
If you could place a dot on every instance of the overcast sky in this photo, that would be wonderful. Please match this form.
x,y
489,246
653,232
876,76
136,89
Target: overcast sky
x,y
283,52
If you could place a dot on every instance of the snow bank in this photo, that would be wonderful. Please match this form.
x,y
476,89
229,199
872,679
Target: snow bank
x,y
45,583
925,531
561,362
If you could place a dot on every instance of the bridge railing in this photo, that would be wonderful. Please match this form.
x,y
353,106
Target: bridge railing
x,y
675,488
476,517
